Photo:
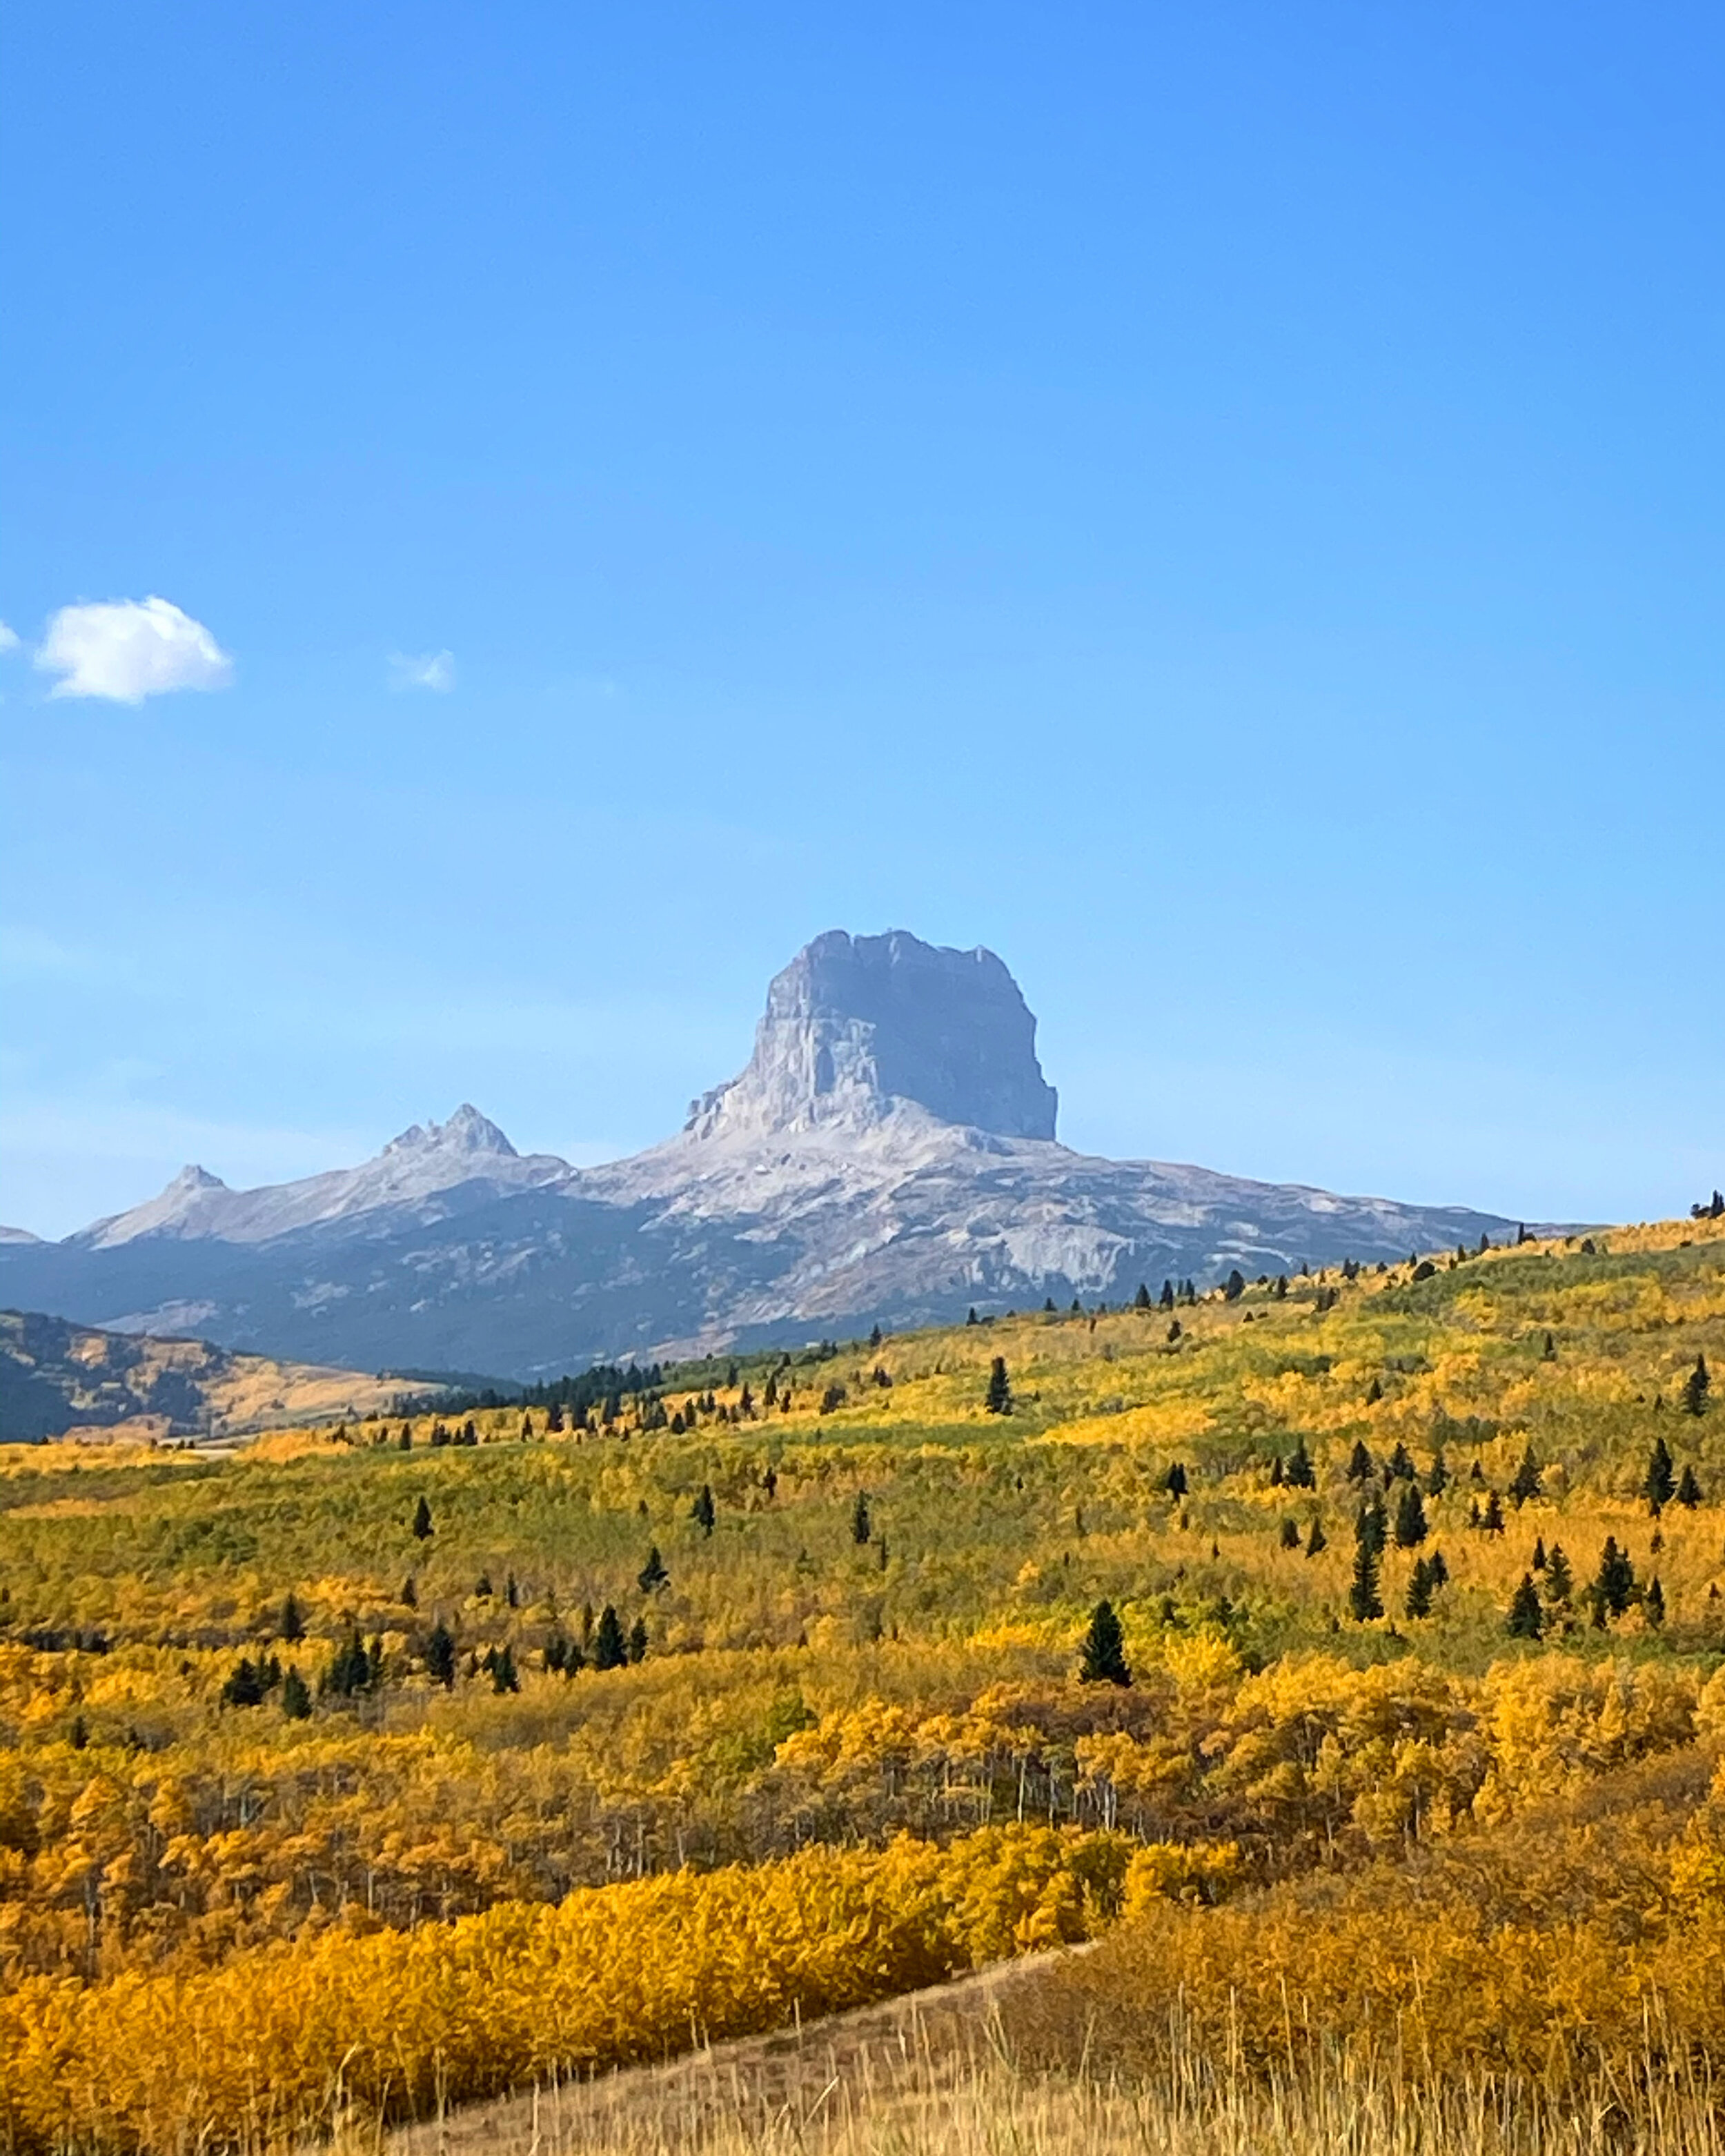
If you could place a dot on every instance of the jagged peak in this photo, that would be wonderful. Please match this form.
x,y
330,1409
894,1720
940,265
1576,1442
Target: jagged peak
x,y
191,1177
856,1027
467,1131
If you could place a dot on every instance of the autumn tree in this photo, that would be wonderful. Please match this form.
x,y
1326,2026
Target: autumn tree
x,y
1102,1659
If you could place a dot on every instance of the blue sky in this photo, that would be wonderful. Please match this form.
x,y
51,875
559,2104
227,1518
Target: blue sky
x,y
1222,506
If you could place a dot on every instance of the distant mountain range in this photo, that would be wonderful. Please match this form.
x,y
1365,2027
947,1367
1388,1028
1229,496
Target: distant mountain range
x,y
887,1156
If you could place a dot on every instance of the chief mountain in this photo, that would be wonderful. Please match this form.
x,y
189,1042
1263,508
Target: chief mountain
x,y
888,1155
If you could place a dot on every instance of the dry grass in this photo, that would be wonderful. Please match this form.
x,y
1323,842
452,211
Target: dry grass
x,y
937,2075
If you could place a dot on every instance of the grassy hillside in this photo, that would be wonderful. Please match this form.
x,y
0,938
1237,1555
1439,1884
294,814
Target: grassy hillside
x,y
58,1379
330,1719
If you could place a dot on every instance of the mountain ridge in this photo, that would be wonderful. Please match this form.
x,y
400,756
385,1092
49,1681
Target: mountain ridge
x,y
887,1155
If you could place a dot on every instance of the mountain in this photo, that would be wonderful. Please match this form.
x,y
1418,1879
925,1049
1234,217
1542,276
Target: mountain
x,y
58,1378
888,1155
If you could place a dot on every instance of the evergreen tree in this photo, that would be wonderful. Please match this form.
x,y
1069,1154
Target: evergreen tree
x,y
1372,1526
440,1655
296,1697
1291,1534
861,1525
1419,1596
290,1624
1688,1491
1281,1290
703,1512
876,1338
409,1595
1695,1388
1439,1479
1436,1571
1526,1619
1653,1601
1174,1481
1101,1660
350,1669
1141,1300
1167,1295
245,1685
1401,1465
422,1521
1374,1391
638,1640
1560,1580
503,1674
1360,1464
610,1650
1363,1599
1538,1560
1614,1589
653,1574
1234,1286
1316,1539
1491,1519
1276,1471
1410,1528
1529,1479
1659,1484
997,1400
1299,1473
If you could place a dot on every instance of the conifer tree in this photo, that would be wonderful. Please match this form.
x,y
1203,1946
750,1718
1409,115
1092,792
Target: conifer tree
x,y
1363,1599
1276,1471
997,1400
1291,1534
1560,1580
1538,1560
1418,1603
610,1650
296,1697
703,1512
503,1673
1659,1484
422,1521
1372,1526
1436,1571
1653,1602
1141,1300
1360,1464
861,1525
1439,1479
1174,1481
1401,1465
1695,1388
1316,1539
1410,1528
1102,1659
1234,1286
1299,1473
1526,1619
440,1655
1167,1295
1491,1519
653,1574
1374,1391
290,1625
1614,1588
1688,1491
1529,1479
638,1640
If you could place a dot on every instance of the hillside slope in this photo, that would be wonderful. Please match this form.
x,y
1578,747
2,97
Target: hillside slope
x,y
57,1379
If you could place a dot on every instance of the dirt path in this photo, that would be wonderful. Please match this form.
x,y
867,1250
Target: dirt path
x,y
791,2072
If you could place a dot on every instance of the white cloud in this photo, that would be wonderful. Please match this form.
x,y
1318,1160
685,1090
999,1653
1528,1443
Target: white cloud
x,y
430,669
9,637
126,650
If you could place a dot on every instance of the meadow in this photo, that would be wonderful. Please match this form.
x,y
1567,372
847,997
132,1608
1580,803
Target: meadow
x,y
380,1767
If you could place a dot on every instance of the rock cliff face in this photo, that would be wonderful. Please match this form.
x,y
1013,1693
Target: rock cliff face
x,y
856,1027
887,1156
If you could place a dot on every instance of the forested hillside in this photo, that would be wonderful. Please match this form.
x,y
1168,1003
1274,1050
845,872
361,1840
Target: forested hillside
x,y
407,1760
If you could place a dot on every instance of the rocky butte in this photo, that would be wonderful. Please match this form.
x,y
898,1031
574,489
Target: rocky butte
x,y
888,1155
